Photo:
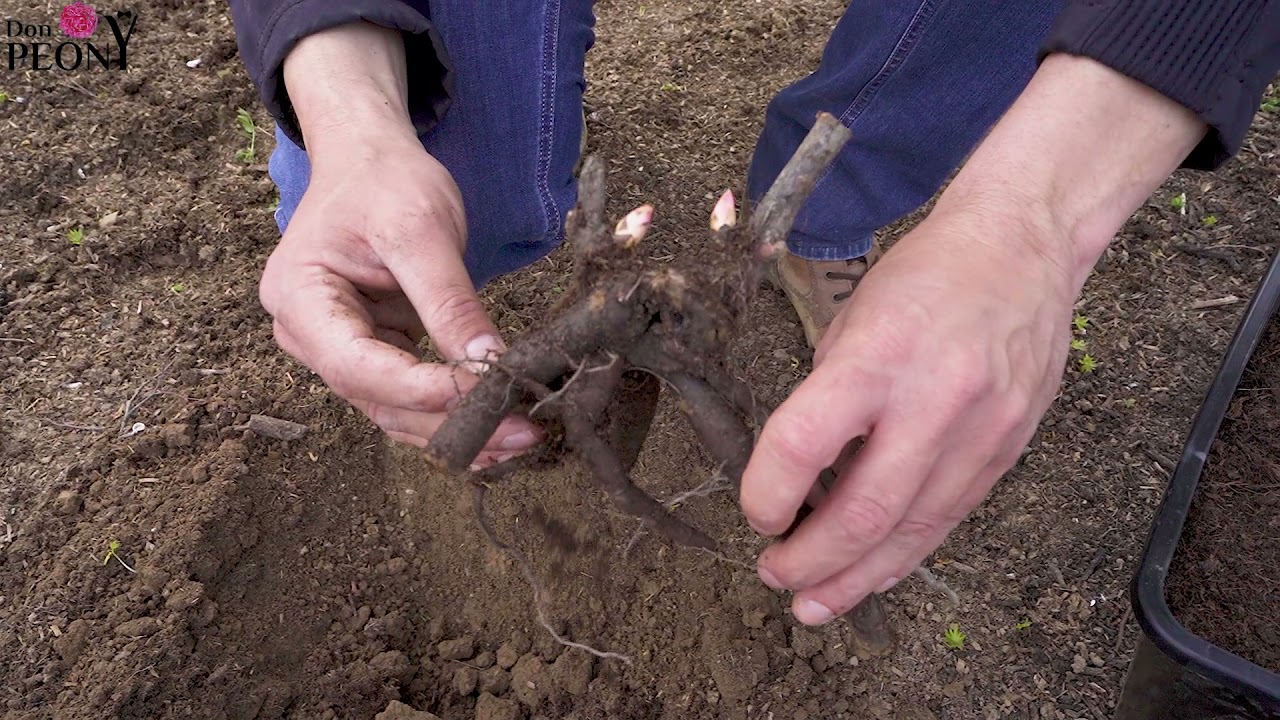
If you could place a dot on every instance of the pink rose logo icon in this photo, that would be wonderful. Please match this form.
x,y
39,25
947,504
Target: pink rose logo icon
x,y
78,20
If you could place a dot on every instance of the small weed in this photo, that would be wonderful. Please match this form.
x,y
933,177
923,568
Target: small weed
x,y
671,87
247,154
1270,105
113,548
177,288
1210,220
1079,322
75,236
1023,624
1128,402
1179,203
1078,344
4,97
1088,363
953,637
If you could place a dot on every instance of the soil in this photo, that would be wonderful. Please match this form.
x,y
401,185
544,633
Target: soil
x,y
332,575
1224,581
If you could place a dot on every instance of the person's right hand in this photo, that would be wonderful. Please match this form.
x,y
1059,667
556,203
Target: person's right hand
x,y
370,262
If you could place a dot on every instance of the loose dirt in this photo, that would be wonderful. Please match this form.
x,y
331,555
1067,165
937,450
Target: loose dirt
x,y
328,576
1224,582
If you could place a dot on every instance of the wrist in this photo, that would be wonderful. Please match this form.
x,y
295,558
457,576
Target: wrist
x,y
348,86
1075,156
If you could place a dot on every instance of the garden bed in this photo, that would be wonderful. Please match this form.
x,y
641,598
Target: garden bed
x,y
329,575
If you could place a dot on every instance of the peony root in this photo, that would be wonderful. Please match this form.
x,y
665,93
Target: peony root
x,y
592,374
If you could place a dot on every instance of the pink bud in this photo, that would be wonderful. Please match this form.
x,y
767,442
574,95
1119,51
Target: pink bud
x,y
633,226
725,213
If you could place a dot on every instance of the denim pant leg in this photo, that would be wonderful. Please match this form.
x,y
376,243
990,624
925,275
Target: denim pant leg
x,y
919,83
511,138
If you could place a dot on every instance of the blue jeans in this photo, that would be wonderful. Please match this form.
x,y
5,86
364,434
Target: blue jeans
x,y
919,82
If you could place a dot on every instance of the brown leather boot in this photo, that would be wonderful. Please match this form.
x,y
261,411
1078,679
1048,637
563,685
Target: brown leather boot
x,y
818,289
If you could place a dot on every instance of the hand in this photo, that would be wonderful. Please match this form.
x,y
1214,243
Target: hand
x,y
372,258
945,361
953,344
372,261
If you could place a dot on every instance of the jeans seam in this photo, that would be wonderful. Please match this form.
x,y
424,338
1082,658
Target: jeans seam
x,y
901,50
546,140
897,56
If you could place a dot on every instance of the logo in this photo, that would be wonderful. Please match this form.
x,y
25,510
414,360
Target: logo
x,y
83,46
78,20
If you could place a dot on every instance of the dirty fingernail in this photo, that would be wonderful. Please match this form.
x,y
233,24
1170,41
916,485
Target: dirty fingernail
x,y
480,351
770,579
887,584
522,440
811,612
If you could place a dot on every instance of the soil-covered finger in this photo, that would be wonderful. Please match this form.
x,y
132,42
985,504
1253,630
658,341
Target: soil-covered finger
x,y
335,336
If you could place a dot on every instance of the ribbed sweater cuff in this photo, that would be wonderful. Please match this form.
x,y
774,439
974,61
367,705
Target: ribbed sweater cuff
x,y
1214,57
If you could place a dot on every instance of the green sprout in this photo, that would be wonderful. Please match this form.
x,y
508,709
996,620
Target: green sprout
x,y
1128,402
1179,203
1078,344
112,552
1270,105
1079,322
671,87
1088,363
4,97
246,155
953,637
75,236
177,288
1210,220
1023,624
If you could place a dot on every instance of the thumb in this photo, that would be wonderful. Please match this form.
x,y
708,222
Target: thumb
x,y
431,272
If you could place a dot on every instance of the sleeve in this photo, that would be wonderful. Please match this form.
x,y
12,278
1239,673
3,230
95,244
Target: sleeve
x,y
266,30
1215,57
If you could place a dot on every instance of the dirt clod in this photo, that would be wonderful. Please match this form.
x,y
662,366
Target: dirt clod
x,y
489,707
138,627
805,642
465,680
494,680
72,641
69,502
399,711
528,681
186,596
508,654
392,664
458,648
571,672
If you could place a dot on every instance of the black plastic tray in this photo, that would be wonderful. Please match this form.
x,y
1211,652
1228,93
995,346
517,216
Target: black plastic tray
x,y
1176,673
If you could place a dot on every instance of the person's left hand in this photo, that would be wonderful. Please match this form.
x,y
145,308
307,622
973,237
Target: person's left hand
x,y
950,351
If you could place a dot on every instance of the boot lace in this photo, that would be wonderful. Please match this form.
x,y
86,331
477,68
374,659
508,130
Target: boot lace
x,y
851,277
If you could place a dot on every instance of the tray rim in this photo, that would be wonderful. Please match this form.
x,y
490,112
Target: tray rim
x,y
1147,594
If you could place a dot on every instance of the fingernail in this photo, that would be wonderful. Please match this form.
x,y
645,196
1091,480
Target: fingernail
x,y
811,612
522,440
888,584
770,579
481,349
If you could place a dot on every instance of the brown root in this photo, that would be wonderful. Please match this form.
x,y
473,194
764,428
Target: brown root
x,y
590,373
